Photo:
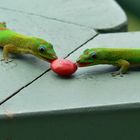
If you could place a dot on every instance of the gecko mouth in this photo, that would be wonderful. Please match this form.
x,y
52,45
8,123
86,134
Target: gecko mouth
x,y
83,64
49,60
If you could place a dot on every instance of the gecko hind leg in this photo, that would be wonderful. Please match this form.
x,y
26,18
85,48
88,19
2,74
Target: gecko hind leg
x,y
124,65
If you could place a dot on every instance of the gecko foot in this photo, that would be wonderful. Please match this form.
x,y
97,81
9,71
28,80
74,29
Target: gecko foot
x,y
6,60
117,73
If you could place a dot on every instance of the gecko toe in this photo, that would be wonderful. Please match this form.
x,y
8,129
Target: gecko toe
x,y
6,60
117,73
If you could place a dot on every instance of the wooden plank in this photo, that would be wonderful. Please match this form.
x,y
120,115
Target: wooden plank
x,y
104,16
89,87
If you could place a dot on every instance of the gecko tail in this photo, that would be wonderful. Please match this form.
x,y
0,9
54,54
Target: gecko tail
x,y
2,24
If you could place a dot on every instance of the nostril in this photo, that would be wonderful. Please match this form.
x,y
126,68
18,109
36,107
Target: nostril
x,y
54,57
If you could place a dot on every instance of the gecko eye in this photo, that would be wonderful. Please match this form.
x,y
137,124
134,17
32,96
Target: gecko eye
x,y
94,55
42,49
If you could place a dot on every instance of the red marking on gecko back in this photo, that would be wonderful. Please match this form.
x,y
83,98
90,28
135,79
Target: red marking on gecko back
x,y
3,28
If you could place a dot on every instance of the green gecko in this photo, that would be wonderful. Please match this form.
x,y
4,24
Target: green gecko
x,y
13,42
120,57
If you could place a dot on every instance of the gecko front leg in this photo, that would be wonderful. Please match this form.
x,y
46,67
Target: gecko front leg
x,y
124,65
6,49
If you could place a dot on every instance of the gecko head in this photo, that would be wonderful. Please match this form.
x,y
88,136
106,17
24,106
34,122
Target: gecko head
x,y
44,50
88,58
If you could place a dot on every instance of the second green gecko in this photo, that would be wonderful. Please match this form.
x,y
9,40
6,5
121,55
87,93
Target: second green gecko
x,y
120,57
18,43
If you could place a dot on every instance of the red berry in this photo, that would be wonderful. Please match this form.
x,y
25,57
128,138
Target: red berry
x,y
63,67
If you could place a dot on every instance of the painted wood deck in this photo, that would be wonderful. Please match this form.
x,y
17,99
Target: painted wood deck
x,y
37,104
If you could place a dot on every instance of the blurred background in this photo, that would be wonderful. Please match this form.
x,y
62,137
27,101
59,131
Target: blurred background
x,y
132,10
